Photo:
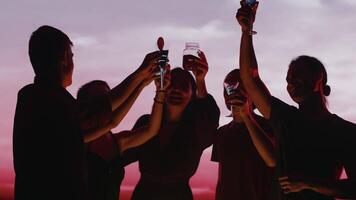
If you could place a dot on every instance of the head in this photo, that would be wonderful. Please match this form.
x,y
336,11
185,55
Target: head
x,y
93,89
51,55
307,78
182,88
233,79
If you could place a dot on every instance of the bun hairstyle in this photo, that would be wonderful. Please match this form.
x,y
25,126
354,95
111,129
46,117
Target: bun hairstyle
x,y
316,70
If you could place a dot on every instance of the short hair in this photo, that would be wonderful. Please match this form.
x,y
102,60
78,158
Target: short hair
x,y
46,48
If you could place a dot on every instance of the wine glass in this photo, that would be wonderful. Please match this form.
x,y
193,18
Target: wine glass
x,y
231,88
251,4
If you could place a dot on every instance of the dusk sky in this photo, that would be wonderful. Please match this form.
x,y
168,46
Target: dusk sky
x,y
111,39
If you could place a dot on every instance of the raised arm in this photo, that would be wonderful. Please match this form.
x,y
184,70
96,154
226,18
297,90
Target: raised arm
x,y
117,115
248,63
200,70
262,142
142,135
120,93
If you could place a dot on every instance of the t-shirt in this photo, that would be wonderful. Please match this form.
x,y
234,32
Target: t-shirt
x,y
243,174
313,148
49,155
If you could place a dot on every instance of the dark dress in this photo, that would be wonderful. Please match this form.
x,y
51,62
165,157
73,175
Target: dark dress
x,y
105,168
49,155
243,174
311,148
170,159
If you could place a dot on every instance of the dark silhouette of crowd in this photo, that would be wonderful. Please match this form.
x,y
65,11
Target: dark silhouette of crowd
x,y
64,148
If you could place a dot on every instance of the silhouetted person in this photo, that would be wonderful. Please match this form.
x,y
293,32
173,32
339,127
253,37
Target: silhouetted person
x,y
105,166
313,144
47,137
170,159
244,148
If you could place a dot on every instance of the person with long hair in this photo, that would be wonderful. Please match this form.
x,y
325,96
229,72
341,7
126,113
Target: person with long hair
x,y
105,166
190,119
313,145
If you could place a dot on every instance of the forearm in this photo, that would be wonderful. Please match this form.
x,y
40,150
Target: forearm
x,y
95,134
201,88
122,110
250,78
115,118
339,189
140,136
261,141
120,93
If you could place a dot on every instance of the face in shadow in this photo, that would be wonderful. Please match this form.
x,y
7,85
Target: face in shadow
x,y
67,66
180,91
300,84
239,95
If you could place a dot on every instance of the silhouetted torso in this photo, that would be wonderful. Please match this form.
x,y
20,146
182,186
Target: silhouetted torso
x,y
242,172
49,155
168,160
311,148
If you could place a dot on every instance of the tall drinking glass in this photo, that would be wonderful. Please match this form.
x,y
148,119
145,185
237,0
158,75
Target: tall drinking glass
x,y
190,52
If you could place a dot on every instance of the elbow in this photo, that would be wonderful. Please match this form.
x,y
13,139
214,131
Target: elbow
x,y
271,162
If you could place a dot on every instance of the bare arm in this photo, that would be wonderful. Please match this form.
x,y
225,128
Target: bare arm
x,y
200,70
116,116
120,93
261,141
142,135
249,67
340,188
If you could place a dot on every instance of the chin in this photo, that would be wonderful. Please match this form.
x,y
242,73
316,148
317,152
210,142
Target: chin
x,y
297,100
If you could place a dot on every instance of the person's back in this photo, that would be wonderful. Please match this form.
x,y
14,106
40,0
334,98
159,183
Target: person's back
x,y
47,145
47,142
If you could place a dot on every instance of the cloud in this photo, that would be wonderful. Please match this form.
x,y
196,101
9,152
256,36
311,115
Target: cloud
x,y
84,41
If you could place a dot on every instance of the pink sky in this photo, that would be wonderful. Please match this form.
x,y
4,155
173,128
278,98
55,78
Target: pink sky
x,y
112,38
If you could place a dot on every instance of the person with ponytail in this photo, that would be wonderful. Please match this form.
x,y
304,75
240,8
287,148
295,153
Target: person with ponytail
x,y
313,144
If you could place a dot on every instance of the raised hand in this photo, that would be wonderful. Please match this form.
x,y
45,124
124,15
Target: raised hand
x,y
149,64
246,16
289,185
200,66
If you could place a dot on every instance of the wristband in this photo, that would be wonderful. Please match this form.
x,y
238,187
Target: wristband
x,y
158,101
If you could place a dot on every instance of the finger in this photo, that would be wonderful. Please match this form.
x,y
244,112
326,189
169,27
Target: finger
x,y
254,8
283,178
202,56
287,191
154,54
283,184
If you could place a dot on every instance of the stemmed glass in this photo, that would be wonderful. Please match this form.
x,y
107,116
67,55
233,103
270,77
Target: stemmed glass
x,y
231,88
251,4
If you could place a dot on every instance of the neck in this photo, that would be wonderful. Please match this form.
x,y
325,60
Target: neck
x,y
314,106
49,81
237,118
